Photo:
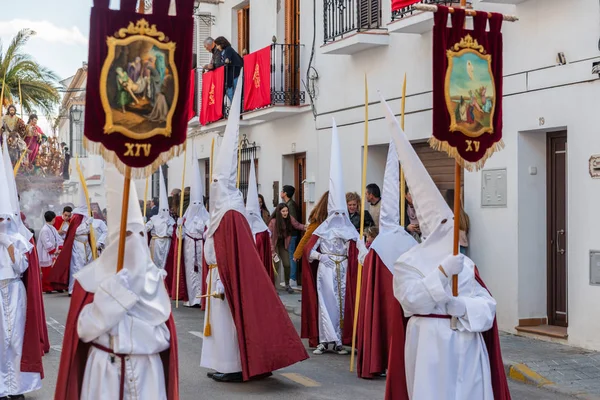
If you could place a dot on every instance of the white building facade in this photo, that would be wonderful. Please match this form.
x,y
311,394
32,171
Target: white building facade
x,y
533,209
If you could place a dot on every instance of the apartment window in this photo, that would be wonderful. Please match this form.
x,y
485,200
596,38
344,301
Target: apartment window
x,y
343,17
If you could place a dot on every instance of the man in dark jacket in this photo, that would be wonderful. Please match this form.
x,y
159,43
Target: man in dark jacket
x,y
287,193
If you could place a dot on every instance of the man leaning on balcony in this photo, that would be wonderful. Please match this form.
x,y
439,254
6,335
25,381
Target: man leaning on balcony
x,y
215,61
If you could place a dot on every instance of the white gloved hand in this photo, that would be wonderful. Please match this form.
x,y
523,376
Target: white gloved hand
x,y
123,278
179,221
362,251
456,307
220,288
453,265
5,240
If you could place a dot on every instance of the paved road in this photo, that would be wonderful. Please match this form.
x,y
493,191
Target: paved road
x,y
319,378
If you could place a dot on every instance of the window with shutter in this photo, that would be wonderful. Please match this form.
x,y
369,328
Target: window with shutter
x,y
291,50
369,14
203,28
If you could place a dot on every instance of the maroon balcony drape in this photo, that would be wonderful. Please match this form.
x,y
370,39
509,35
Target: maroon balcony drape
x,y
192,95
213,90
141,82
478,100
257,79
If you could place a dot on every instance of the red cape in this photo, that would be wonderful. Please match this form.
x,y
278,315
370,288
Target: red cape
x,y
395,388
263,245
310,305
171,263
378,308
34,342
36,285
183,293
58,222
75,352
61,270
266,336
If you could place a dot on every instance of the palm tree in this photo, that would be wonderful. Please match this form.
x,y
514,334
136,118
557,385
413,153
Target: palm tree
x,y
38,83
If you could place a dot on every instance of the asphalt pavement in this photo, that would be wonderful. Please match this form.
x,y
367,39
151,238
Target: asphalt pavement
x,y
325,377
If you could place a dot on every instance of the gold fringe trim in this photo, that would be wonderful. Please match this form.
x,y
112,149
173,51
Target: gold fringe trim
x,y
136,173
439,145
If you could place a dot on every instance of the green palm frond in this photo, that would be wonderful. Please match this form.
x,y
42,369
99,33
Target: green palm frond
x,y
38,83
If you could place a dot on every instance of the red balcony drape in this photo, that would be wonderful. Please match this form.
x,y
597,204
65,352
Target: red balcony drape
x,y
192,95
398,4
213,87
257,79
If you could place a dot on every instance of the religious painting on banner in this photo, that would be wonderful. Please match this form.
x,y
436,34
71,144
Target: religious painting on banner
x,y
467,87
257,79
139,83
213,90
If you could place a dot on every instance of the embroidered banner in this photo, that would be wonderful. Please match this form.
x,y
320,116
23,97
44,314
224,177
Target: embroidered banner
x,y
138,83
213,90
257,79
398,4
467,87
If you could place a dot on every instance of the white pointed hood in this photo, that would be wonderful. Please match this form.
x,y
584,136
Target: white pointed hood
x,y
14,196
196,212
337,224
163,200
145,279
392,240
435,217
224,195
253,214
429,204
82,207
10,225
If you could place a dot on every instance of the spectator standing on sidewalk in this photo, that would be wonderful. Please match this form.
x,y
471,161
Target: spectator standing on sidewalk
x,y
287,193
353,203
281,226
373,196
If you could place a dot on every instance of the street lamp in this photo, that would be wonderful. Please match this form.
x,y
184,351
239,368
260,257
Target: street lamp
x,y
76,114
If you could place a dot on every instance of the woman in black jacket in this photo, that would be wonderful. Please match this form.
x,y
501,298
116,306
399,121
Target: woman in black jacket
x,y
233,64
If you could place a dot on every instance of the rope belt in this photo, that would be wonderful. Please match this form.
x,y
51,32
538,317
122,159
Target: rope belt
x,y
122,357
338,272
82,240
161,237
195,250
212,266
439,316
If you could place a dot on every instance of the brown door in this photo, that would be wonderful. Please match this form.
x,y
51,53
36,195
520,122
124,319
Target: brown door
x,y
244,31
557,228
291,51
299,177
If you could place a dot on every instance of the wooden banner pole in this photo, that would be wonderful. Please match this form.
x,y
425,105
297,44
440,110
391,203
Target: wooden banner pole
x,y
180,228
362,222
21,99
402,179
89,206
145,199
124,210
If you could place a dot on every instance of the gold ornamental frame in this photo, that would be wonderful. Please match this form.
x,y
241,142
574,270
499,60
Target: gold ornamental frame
x,y
468,45
141,31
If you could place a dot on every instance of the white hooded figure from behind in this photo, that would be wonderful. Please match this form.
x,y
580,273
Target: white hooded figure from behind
x,y
81,254
253,214
193,225
423,286
331,251
13,299
161,226
129,312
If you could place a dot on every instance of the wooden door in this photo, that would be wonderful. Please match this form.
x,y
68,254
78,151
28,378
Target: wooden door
x,y
556,203
292,51
244,31
299,177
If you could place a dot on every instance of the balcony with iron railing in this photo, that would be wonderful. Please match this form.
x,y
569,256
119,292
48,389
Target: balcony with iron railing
x,y
351,26
410,20
285,96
